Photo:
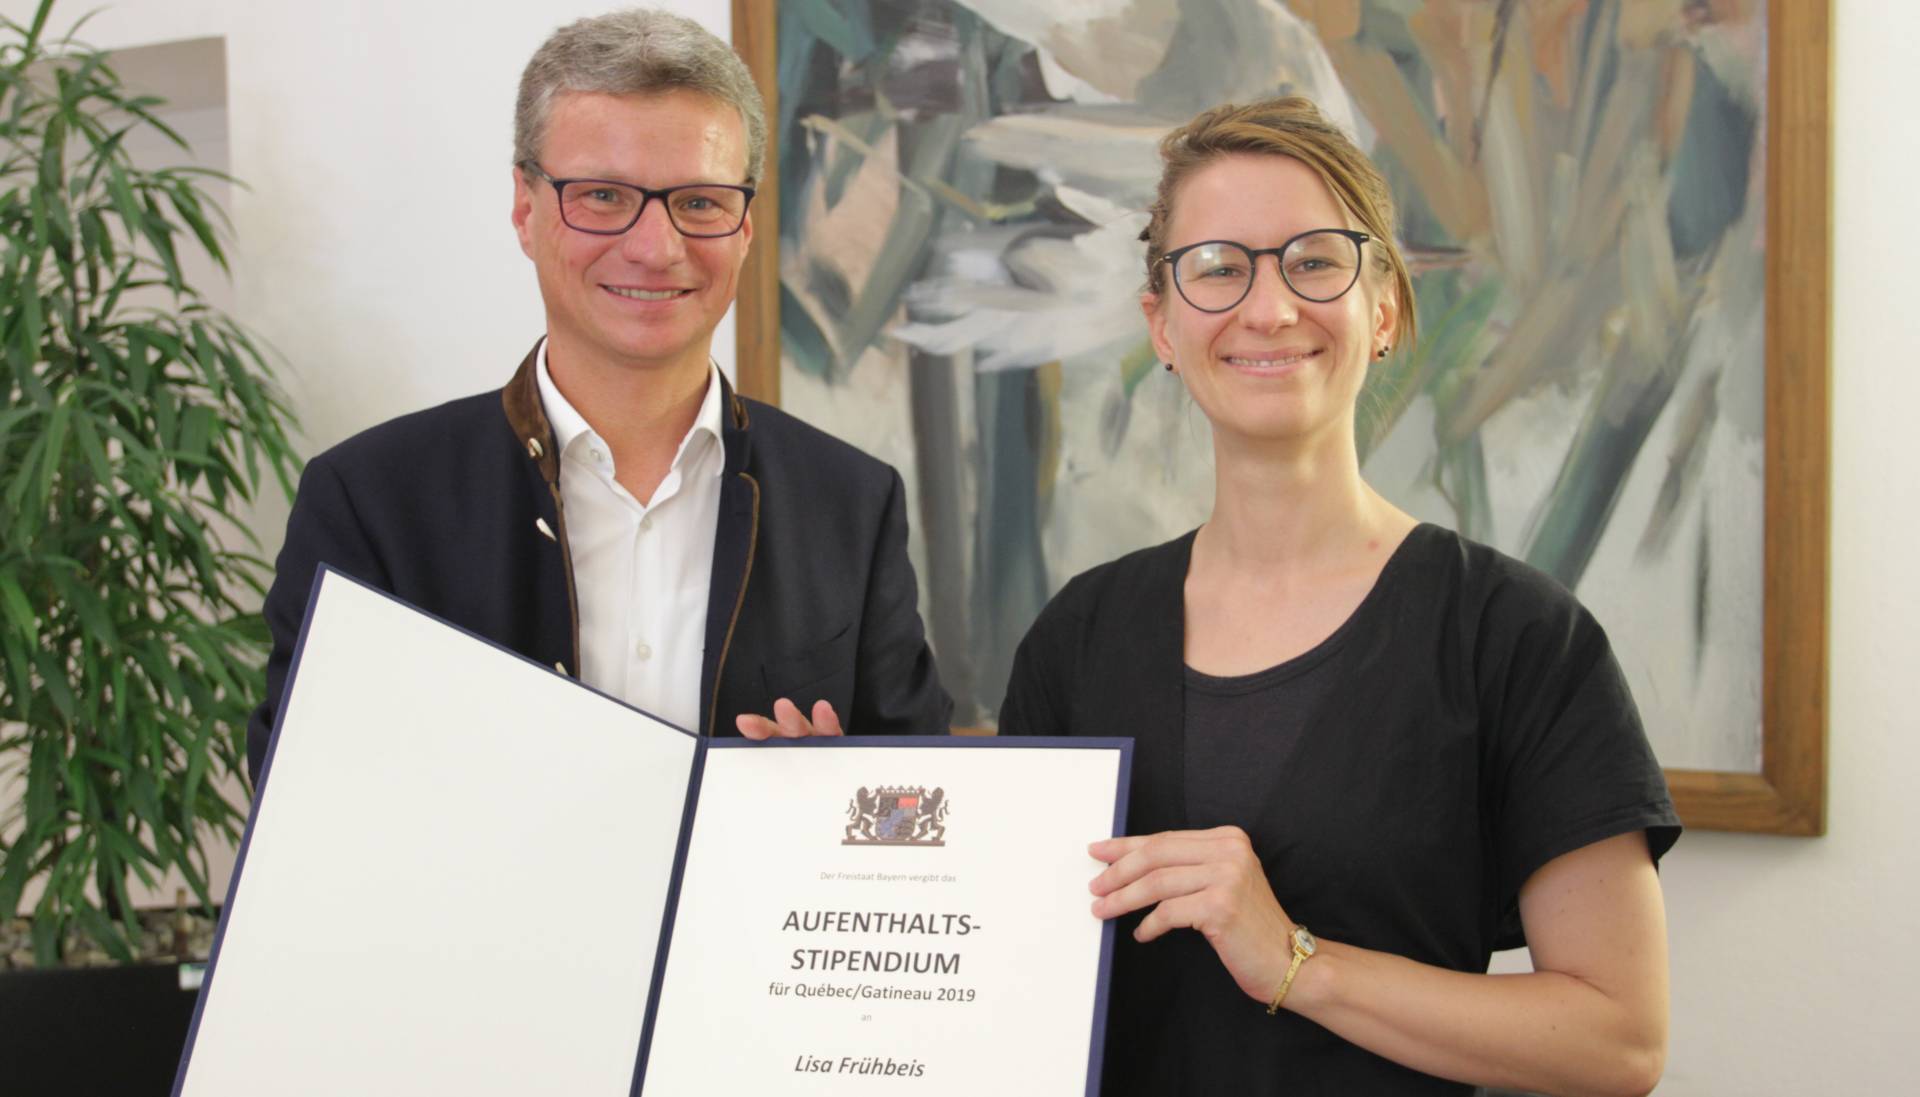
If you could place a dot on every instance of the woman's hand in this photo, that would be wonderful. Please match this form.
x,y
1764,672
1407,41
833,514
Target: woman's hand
x,y
788,723
1206,880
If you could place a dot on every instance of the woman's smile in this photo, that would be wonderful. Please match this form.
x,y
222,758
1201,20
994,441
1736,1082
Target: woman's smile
x,y
1271,363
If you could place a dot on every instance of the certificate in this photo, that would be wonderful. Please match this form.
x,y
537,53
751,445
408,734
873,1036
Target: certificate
x,y
466,873
853,912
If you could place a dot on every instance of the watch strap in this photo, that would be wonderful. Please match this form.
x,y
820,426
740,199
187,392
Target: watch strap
x,y
1299,957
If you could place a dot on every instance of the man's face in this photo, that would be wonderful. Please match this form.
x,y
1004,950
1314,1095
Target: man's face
x,y
649,298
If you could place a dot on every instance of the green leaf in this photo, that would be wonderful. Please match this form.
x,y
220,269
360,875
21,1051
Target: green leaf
x,y
158,232
187,205
139,369
12,418
119,681
93,613
197,761
53,678
103,931
17,869
54,451
161,672
46,938
31,47
126,848
252,629
19,669
166,415
106,759
88,436
32,325
117,882
43,784
27,516
139,108
85,602
19,610
196,428
143,794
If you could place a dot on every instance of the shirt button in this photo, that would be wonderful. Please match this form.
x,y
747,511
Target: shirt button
x,y
646,523
598,456
643,651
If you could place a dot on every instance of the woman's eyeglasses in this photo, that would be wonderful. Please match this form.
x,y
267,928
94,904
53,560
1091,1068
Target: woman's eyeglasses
x,y
1216,275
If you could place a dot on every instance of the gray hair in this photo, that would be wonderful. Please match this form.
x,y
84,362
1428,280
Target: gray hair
x,y
636,52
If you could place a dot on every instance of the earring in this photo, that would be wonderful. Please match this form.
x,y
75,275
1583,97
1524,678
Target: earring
x,y
1169,366
1383,352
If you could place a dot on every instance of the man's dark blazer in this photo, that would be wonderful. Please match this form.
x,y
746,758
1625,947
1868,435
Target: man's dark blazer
x,y
457,510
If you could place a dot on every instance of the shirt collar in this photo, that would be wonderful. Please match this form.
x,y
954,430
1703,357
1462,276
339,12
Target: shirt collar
x,y
569,425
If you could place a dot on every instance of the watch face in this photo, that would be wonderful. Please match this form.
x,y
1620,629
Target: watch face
x,y
1303,940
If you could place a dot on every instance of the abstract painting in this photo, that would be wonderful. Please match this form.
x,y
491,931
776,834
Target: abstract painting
x,y
1600,267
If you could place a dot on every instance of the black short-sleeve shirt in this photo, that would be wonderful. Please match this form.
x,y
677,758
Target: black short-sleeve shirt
x,y
1466,725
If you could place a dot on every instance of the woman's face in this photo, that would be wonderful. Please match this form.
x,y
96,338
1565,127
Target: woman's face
x,y
1275,366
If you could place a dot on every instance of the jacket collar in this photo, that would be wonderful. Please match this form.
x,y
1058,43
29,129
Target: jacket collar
x,y
733,429
528,418
520,399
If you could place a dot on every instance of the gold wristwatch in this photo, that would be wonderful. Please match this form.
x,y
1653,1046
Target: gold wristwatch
x,y
1303,946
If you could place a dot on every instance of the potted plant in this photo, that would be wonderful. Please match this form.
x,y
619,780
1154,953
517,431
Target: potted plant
x,y
136,423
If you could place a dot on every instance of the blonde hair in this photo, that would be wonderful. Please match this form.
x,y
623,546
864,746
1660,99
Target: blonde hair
x,y
636,52
1293,127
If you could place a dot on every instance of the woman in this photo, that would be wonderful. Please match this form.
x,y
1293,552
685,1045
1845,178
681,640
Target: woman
x,y
1344,719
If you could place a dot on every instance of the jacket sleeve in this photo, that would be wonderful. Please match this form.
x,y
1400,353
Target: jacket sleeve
x,y
323,528
897,688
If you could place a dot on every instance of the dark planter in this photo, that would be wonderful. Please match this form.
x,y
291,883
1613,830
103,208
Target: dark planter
x,y
113,1031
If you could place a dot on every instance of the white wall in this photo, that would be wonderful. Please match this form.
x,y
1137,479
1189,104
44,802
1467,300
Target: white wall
x,y
1794,960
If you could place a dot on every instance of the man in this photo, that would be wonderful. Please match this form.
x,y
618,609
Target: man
x,y
617,512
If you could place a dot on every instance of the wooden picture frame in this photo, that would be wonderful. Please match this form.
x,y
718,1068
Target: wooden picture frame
x,y
1788,795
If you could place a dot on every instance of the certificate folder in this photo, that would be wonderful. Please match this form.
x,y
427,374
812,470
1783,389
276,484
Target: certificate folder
x,y
466,873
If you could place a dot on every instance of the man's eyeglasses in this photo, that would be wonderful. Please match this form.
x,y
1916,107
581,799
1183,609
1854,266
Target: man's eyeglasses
x,y
606,208
1216,275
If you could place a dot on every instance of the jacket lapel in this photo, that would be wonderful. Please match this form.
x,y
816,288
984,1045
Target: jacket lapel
x,y
733,548
559,617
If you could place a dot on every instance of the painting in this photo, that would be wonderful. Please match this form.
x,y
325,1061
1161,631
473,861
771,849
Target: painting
x,y
1616,216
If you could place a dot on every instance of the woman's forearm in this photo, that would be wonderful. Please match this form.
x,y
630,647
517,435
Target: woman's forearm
x,y
1590,1019
1544,1031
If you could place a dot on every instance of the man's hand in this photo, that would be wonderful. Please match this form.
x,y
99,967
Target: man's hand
x,y
788,723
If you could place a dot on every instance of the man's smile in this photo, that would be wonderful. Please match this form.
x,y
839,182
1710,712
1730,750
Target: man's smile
x,y
633,294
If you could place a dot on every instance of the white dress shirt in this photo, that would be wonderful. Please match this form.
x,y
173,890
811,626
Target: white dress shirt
x,y
641,569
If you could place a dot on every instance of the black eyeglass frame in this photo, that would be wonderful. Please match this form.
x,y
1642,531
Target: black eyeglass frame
x,y
646,196
1360,240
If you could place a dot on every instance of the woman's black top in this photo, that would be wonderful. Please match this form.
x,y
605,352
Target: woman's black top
x,y
1399,782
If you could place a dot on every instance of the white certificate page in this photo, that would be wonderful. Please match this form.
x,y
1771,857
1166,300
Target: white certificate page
x,y
887,919
454,879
